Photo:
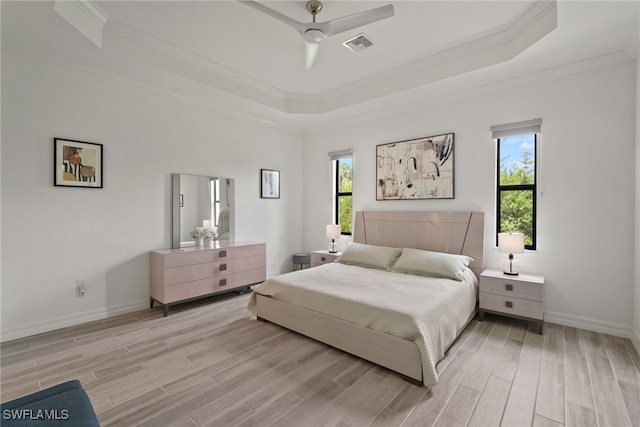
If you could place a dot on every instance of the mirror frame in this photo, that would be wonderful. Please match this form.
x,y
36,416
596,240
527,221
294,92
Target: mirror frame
x,y
176,238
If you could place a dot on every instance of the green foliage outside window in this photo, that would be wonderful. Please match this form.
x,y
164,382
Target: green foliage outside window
x,y
345,212
344,194
516,213
519,173
516,194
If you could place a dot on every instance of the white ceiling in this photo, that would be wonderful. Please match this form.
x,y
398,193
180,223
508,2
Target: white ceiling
x,y
229,55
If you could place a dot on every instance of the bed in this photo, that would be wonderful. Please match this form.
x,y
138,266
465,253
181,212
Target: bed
x,y
387,312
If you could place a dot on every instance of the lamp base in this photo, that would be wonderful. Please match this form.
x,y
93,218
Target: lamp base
x,y
332,247
511,267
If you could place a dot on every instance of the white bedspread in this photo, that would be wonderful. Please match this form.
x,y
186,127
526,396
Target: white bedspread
x,y
428,311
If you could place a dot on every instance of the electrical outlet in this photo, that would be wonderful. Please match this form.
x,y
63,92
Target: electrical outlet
x,y
81,287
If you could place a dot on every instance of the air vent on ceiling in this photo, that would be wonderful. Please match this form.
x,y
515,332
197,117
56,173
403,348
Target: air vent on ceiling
x,y
358,43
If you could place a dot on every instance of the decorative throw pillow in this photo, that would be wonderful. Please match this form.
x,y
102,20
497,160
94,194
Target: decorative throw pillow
x,y
381,257
434,264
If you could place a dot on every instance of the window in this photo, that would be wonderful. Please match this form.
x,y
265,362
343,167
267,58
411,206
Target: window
x,y
516,179
342,163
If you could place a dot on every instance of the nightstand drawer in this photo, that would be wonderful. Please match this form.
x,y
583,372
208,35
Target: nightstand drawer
x,y
323,257
510,305
512,288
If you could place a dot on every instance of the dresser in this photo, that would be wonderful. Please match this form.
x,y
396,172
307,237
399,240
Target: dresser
x,y
179,275
323,257
520,296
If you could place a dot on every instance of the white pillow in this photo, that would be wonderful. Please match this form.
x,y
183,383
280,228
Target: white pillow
x,y
381,257
434,264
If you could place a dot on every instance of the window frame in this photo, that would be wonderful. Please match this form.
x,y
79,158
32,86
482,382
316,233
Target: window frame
x,y
335,163
533,188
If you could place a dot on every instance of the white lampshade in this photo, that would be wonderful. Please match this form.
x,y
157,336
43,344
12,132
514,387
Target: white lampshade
x,y
511,243
206,223
333,231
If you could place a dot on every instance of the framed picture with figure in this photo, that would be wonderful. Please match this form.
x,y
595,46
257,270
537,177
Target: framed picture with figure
x,y
269,184
77,163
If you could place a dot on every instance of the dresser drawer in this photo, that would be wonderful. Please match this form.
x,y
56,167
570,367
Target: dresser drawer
x,y
250,263
512,288
198,257
182,274
188,290
259,251
511,305
191,273
250,277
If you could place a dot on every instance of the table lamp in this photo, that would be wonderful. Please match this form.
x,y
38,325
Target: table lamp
x,y
333,233
511,243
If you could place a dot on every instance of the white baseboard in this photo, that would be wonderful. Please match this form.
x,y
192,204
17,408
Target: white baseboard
x,y
71,320
635,340
588,324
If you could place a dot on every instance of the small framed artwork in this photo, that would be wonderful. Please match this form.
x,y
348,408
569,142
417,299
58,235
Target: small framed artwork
x,y
269,184
77,163
416,169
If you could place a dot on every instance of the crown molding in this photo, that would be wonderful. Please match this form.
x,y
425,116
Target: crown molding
x,y
139,46
85,16
475,54
490,49
189,91
427,101
236,107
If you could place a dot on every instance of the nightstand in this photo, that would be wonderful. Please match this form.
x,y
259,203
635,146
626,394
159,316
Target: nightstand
x,y
323,257
521,296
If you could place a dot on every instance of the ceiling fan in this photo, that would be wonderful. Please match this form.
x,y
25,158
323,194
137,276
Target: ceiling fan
x,y
314,32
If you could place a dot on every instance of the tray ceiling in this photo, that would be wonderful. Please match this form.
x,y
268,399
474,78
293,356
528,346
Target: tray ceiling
x,y
227,53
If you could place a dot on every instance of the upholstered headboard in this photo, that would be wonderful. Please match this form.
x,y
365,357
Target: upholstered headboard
x,y
452,232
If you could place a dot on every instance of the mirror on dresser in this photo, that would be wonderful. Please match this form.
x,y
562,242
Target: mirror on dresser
x,y
196,199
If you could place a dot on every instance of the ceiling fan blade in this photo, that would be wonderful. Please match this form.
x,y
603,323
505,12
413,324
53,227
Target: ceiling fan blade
x,y
356,20
310,55
298,26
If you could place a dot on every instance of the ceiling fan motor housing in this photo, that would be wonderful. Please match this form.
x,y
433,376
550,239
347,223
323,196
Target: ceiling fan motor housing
x,y
314,7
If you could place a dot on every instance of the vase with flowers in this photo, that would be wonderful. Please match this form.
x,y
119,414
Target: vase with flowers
x,y
201,233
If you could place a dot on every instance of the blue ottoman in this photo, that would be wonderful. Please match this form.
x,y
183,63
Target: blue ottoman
x,y
65,404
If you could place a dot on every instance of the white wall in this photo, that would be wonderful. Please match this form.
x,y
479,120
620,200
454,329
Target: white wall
x,y
586,183
636,287
52,236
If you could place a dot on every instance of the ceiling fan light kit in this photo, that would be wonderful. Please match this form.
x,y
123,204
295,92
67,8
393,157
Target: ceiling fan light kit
x,y
314,32
314,36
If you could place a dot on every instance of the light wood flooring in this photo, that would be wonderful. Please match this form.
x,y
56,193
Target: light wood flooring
x,y
210,363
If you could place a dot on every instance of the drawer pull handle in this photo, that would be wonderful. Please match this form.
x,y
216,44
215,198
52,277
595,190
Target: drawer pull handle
x,y
509,287
509,304
223,267
223,282
223,254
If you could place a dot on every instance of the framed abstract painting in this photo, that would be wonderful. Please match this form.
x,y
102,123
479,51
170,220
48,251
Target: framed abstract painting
x,y
77,163
416,169
269,184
